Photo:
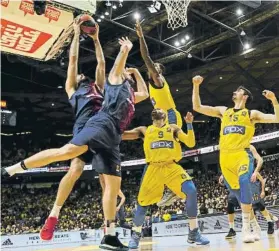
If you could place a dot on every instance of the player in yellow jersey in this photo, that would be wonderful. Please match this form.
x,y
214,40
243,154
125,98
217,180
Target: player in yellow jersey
x,y
237,130
162,152
160,97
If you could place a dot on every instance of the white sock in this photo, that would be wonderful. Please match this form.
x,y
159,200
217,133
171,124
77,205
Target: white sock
x,y
231,225
246,219
110,230
193,223
268,218
254,223
11,170
55,211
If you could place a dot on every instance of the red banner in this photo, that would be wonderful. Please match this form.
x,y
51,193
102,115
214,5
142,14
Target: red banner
x,y
22,38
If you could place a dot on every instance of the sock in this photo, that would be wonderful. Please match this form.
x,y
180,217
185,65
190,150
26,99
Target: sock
x,y
55,211
12,170
254,223
246,220
110,228
231,225
268,218
193,223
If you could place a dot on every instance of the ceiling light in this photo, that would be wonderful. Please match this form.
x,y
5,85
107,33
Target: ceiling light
x,y
52,104
114,7
242,33
183,41
246,46
267,62
106,13
177,90
187,37
108,3
176,43
99,20
102,16
59,86
239,12
137,16
189,55
221,77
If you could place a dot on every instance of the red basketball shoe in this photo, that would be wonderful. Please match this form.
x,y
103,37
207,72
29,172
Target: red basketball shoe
x,y
47,231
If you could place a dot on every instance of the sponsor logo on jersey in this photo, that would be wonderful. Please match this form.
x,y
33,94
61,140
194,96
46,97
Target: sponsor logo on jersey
x,y
7,242
162,144
235,129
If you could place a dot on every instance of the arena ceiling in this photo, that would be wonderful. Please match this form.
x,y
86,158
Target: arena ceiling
x,y
216,43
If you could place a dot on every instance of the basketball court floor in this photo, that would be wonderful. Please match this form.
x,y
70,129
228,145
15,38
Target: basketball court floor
x,y
177,243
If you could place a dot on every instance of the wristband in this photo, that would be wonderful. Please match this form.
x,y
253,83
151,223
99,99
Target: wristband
x,y
189,126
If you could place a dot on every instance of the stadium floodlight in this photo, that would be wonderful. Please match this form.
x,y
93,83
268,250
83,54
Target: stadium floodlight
x,y
106,13
183,41
137,16
246,46
176,43
187,37
239,12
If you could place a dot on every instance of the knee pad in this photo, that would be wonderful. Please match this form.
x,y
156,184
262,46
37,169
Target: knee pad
x,y
190,190
245,189
230,208
139,215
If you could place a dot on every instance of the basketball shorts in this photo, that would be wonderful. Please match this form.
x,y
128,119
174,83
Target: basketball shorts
x,y
154,179
235,164
102,137
174,117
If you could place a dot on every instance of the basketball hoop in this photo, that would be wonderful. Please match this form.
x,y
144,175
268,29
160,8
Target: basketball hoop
x,y
177,12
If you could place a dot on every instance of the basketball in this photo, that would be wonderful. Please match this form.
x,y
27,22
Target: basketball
x,y
88,25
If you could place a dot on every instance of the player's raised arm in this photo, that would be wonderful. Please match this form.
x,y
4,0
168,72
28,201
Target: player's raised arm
x,y
136,133
71,81
142,91
120,62
100,74
259,160
260,117
158,81
189,138
212,111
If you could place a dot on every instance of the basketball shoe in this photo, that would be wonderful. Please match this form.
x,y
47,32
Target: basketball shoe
x,y
168,199
270,229
47,231
231,234
247,235
135,239
111,242
195,237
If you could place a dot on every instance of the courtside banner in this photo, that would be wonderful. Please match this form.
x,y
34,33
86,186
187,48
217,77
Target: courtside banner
x,y
207,225
27,240
25,33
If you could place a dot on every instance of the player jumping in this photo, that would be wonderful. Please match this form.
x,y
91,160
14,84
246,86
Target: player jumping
x,y
162,152
258,193
102,134
160,96
237,130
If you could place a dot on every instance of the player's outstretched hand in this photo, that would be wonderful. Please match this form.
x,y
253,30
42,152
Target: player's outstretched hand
x,y
125,43
197,80
221,180
189,117
254,177
76,25
95,36
269,95
139,29
132,70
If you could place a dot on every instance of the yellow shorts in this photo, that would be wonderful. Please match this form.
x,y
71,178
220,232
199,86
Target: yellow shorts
x,y
155,178
174,117
236,164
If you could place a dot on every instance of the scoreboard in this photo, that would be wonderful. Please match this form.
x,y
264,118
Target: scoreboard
x,y
8,117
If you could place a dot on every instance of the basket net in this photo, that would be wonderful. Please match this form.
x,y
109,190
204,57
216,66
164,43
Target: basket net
x,y
177,12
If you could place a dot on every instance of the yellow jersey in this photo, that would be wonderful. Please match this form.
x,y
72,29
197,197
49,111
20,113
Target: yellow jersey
x,y
237,130
161,97
160,145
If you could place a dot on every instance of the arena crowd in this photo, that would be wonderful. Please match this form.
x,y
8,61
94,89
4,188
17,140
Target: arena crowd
x,y
25,208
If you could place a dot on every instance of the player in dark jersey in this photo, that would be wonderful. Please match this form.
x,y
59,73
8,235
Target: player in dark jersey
x,y
86,98
102,134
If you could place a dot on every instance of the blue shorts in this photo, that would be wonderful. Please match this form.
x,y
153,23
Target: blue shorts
x,y
102,137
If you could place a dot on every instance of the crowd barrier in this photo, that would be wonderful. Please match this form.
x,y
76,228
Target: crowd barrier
x,y
24,240
185,154
208,225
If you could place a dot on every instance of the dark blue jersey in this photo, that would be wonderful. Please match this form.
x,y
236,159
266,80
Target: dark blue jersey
x,y
119,103
86,102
